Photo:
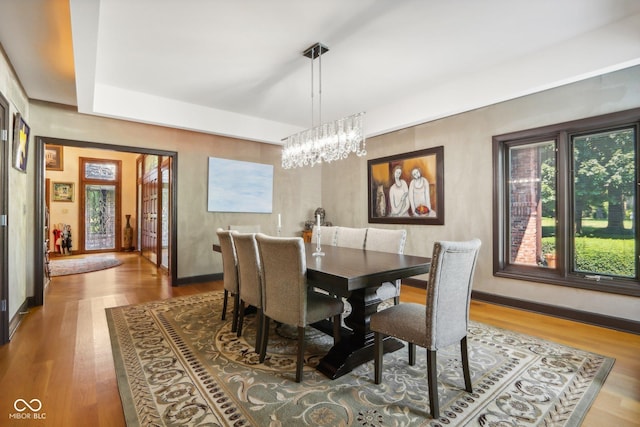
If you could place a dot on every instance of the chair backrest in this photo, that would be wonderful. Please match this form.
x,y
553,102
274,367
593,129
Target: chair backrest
x,y
229,260
383,240
249,269
449,291
254,228
327,235
284,282
348,237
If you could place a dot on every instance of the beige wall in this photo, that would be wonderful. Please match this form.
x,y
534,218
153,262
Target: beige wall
x,y
467,141
296,193
20,207
69,212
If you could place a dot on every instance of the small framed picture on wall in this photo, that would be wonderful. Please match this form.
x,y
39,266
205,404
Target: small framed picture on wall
x,y
53,155
62,192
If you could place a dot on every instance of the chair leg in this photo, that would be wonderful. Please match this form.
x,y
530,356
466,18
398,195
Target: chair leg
x,y
396,300
259,330
465,365
337,326
412,354
377,357
300,362
265,338
240,318
236,309
432,375
224,304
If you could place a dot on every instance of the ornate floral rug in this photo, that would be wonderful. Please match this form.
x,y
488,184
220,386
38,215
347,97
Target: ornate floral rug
x,y
177,363
64,267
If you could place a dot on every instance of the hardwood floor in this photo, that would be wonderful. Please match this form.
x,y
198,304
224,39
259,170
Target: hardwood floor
x,y
61,353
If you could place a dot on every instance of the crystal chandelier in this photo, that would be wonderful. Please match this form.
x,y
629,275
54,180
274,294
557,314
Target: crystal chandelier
x,y
328,141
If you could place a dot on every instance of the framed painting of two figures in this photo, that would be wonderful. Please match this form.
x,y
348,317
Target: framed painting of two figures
x,y
407,188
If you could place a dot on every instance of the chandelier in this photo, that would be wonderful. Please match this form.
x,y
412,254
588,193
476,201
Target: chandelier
x,y
328,141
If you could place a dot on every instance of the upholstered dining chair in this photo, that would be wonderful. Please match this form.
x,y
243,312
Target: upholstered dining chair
x,y
442,322
249,280
384,240
286,296
327,235
348,237
229,273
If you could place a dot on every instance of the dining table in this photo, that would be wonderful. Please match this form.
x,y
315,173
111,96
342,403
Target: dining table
x,y
355,274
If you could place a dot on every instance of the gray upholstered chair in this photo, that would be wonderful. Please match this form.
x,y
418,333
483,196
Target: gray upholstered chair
x,y
249,280
327,235
286,296
442,322
253,228
383,240
229,273
348,237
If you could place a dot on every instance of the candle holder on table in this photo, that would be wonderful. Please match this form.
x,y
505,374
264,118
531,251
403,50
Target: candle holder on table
x,y
318,251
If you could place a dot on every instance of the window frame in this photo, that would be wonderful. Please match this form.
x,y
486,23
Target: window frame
x,y
562,134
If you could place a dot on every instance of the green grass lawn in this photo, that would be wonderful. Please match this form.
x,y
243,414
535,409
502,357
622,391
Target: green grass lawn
x,y
595,252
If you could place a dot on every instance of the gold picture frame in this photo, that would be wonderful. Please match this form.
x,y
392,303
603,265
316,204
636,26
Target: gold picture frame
x,y
63,192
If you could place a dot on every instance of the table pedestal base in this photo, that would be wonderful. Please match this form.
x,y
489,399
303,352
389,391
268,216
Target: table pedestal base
x,y
356,345
345,356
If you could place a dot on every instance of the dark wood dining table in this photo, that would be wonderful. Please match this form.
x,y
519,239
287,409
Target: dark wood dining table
x,y
356,274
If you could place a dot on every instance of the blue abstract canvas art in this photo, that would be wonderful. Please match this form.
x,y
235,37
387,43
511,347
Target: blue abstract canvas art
x,y
237,186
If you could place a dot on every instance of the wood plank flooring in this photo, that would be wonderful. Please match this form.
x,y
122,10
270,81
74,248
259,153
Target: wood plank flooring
x,y
61,353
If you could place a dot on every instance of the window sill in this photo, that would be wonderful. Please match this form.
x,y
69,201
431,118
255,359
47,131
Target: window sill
x,y
551,277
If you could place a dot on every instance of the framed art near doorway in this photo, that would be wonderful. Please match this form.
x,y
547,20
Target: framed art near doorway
x,y
53,157
20,143
62,192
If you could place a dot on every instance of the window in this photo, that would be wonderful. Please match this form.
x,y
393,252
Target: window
x,y
566,204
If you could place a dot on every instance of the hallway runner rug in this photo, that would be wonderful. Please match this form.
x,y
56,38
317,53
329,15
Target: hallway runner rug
x,y
65,267
177,363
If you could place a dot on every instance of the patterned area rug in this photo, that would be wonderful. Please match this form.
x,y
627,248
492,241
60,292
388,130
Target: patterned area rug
x,y
64,267
177,363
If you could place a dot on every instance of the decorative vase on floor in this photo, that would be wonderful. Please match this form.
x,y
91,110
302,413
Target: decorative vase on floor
x,y
128,235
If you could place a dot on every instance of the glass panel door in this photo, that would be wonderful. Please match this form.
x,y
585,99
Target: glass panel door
x,y
100,217
100,225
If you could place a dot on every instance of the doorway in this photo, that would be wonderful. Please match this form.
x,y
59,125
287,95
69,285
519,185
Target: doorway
x,y
100,195
40,195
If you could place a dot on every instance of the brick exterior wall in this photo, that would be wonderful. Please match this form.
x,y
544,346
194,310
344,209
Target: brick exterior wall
x,y
525,206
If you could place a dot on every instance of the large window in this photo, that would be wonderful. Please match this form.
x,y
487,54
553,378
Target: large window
x,y
566,204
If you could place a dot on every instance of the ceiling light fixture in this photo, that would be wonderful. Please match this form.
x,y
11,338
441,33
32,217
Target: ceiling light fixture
x,y
328,141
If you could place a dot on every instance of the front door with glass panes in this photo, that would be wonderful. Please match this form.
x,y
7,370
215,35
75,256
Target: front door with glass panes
x,y
100,194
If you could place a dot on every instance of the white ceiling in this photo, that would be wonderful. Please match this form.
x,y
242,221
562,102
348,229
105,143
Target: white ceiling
x,y
236,68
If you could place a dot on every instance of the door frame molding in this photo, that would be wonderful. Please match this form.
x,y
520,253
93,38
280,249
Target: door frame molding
x,y
4,232
38,257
